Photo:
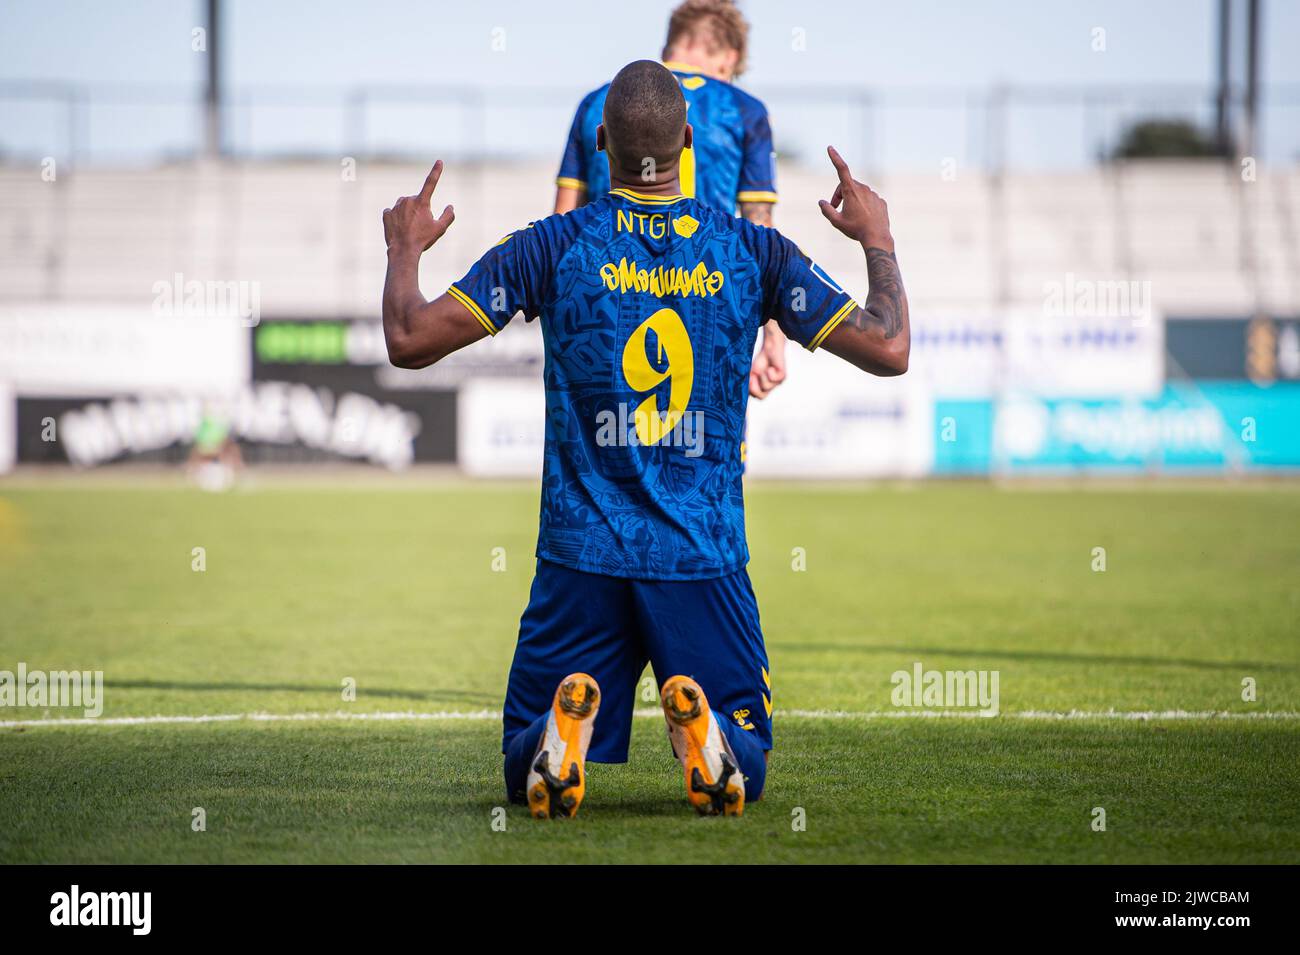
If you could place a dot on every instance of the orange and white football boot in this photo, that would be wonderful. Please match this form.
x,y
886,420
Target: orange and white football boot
x,y
714,784
557,780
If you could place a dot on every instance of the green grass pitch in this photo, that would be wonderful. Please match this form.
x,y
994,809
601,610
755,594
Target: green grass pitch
x,y
311,583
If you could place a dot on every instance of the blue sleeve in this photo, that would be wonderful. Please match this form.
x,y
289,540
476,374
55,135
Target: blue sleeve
x,y
573,167
509,278
758,164
805,301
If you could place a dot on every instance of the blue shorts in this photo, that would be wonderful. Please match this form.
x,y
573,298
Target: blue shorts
x,y
610,627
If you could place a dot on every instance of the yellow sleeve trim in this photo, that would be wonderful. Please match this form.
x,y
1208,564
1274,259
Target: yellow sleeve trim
x,y
756,197
564,182
474,310
830,326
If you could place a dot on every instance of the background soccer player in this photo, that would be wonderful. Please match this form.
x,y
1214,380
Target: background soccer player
x,y
650,303
732,162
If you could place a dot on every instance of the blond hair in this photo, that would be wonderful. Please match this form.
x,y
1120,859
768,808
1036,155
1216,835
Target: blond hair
x,y
718,24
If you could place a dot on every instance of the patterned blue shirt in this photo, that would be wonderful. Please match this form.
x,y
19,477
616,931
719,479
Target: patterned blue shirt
x,y
650,308
732,160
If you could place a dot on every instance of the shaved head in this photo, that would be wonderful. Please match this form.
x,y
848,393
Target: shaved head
x,y
645,117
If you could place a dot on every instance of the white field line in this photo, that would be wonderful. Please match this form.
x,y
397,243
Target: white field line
x,y
654,712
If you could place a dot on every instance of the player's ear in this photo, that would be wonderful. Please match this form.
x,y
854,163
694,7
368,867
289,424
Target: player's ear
x,y
600,138
690,137
730,60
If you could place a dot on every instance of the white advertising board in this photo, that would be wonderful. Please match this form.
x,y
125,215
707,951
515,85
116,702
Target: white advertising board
x,y
73,351
501,428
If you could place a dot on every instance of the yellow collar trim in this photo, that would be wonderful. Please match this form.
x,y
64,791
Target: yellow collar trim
x,y
642,197
677,67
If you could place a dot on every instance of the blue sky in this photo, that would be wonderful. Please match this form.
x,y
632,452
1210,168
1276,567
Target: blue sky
x,y
434,49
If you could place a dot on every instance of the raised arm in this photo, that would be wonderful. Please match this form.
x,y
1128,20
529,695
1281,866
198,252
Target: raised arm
x,y
876,337
419,332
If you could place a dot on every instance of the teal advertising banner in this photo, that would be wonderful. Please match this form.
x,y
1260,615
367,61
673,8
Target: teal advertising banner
x,y
1190,427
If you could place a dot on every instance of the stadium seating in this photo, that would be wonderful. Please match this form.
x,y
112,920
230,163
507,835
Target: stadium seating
x,y
309,232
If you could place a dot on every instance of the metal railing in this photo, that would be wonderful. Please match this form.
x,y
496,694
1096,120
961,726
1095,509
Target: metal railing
x,y
1011,127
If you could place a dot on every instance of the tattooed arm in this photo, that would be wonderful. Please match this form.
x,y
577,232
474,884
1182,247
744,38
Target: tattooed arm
x,y
876,337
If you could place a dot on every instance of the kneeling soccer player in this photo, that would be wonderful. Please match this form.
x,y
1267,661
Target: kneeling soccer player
x,y
650,304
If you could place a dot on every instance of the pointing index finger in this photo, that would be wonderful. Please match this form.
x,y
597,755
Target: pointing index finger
x,y
841,167
431,181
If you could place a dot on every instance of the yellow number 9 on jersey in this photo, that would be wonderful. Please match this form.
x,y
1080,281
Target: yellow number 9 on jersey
x,y
651,425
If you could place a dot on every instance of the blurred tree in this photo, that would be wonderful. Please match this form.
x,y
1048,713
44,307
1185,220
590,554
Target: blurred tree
x,y
1168,139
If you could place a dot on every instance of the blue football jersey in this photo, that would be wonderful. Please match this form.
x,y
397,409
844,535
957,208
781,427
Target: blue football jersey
x,y
732,160
650,308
